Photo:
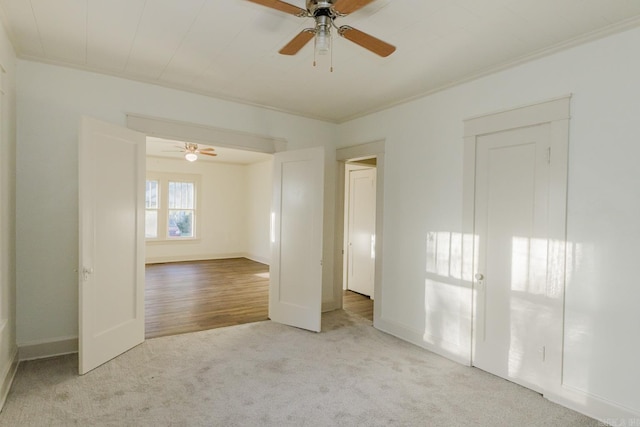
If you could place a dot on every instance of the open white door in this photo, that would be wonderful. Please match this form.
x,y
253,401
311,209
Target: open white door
x,y
111,264
295,292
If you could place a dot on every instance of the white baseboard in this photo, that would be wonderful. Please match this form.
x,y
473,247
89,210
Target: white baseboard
x,y
258,258
593,406
44,349
417,338
329,306
588,404
184,258
7,378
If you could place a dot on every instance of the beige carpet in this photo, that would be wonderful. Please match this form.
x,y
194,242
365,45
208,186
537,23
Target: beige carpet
x,y
272,375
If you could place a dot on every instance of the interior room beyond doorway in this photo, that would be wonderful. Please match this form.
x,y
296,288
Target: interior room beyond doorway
x,y
359,235
207,237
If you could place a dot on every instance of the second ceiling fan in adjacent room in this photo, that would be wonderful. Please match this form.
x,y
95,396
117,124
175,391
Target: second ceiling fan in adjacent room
x,y
191,151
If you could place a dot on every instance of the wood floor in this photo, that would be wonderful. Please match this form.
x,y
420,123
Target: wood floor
x,y
358,304
198,295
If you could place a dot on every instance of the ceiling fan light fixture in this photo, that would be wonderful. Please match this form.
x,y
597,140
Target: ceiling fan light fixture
x,y
191,157
323,35
323,41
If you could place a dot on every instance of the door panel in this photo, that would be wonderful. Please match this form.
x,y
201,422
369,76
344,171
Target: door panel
x,y
295,292
512,185
111,312
362,230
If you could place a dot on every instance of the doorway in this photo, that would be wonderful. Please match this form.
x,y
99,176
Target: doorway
x,y
359,236
359,228
116,331
207,237
515,187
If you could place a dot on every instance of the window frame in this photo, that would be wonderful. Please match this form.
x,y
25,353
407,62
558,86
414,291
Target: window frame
x,y
163,179
155,208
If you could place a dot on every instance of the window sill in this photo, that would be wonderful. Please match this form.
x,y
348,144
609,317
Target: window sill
x,y
172,241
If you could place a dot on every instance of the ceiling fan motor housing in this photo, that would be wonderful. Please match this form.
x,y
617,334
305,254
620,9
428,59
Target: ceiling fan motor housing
x,y
320,7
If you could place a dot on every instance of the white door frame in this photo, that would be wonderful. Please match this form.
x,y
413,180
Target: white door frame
x,y
556,113
209,135
185,131
357,152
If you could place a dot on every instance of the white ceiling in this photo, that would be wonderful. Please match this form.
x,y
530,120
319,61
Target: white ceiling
x,y
228,48
159,147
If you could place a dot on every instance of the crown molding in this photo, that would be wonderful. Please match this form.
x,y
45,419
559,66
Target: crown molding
x,y
168,85
616,28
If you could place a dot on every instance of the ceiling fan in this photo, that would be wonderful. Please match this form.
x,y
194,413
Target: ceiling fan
x,y
325,12
191,151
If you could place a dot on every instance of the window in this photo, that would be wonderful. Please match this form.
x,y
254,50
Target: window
x,y
151,214
181,209
171,206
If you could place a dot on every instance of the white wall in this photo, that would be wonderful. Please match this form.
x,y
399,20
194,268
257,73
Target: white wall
x,y
259,189
221,219
7,215
233,216
51,101
423,194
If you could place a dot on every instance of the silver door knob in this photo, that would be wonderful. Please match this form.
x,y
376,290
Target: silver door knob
x,y
479,276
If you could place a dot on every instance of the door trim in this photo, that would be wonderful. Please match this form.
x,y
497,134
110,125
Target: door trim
x,y
556,112
185,131
362,151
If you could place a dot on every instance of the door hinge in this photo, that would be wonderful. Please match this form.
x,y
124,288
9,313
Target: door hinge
x,y
543,352
548,155
86,272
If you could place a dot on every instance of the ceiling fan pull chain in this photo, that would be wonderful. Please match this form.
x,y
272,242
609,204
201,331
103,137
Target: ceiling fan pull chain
x,y
314,56
331,53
